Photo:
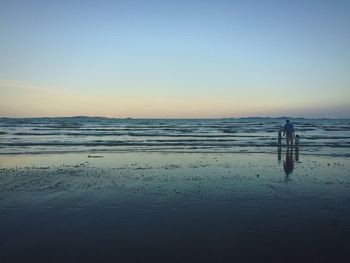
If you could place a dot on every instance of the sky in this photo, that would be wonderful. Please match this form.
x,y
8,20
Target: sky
x,y
175,59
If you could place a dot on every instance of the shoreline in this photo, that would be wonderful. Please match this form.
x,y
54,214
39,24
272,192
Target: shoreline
x,y
128,151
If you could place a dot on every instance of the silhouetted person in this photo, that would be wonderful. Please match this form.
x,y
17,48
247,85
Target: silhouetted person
x,y
288,164
297,153
279,138
288,132
297,140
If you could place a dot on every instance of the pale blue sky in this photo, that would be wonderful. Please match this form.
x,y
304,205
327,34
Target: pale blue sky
x,y
180,58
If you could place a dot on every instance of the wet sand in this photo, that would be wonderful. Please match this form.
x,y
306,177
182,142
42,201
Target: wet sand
x,y
132,207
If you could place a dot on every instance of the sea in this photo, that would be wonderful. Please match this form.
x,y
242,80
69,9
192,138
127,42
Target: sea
x,y
99,134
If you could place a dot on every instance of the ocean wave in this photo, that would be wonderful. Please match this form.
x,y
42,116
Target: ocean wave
x,y
135,134
337,129
80,133
159,143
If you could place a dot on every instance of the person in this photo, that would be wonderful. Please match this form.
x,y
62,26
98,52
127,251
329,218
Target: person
x,y
297,139
289,132
279,140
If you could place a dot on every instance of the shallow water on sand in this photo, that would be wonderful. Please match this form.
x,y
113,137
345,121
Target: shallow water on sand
x,y
174,207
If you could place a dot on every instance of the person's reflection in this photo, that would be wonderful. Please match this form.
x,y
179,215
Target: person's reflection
x,y
279,154
288,163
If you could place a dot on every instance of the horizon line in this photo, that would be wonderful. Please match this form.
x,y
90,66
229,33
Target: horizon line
x,y
174,118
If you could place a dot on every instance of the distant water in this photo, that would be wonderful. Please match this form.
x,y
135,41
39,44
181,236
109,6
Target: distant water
x,y
89,134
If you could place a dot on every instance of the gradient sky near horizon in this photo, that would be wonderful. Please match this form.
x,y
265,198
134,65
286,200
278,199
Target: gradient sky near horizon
x,y
175,58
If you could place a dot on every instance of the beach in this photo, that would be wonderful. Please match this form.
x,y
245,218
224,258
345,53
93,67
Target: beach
x,y
174,131
174,207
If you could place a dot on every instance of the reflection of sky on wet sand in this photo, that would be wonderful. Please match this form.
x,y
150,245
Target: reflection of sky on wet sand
x,y
173,206
215,175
